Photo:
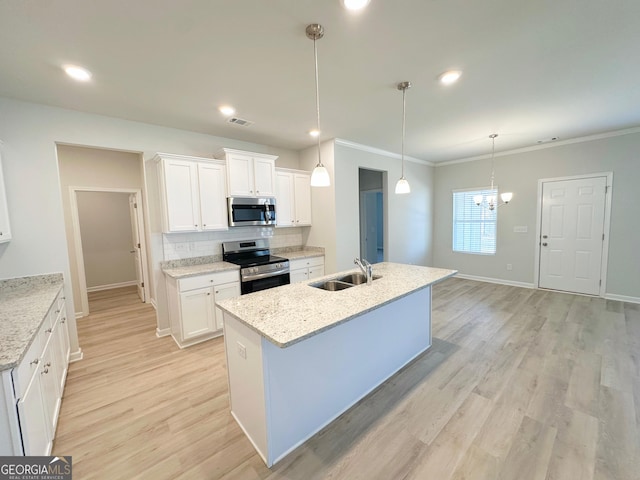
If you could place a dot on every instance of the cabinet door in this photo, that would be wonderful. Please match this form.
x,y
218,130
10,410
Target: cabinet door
x,y
222,292
240,175
60,354
50,388
5,230
196,311
299,275
264,176
64,337
316,272
213,198
285,212
33,420
181,190
302,188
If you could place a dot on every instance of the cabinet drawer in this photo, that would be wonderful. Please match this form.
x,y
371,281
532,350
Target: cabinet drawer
x,y
306,262
207,280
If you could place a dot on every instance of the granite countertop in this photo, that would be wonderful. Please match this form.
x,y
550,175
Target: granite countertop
x,y
190,267
288,314
24,303
199,269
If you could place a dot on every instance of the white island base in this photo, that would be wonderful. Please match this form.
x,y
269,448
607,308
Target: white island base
x,y
281,397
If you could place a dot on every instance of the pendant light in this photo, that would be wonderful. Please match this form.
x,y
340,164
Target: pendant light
x,y
402,186
320,175
491,202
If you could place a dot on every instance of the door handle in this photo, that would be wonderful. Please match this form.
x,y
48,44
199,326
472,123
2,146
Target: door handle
x,y
544,244
544,236
132,251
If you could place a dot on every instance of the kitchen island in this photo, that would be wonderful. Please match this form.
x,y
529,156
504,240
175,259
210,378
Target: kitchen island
x,y
299,356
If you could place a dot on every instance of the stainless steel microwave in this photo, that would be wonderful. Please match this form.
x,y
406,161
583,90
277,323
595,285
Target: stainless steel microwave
x,y
251,211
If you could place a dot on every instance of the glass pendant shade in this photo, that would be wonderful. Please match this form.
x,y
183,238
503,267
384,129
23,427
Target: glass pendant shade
x,y
506,197
477,199
320,176
402,186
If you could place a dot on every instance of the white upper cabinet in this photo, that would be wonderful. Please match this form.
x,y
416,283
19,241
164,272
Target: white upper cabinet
x,y
5,230
194,193
293,198
250,174
213,194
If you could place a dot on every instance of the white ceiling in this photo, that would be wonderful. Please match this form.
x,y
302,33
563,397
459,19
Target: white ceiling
x,y
532,69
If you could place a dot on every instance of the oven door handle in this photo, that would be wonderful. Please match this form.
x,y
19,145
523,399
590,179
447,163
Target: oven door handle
x,y
258,276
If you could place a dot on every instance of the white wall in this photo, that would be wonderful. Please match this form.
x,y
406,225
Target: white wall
x,y
519,173
107,238
30,133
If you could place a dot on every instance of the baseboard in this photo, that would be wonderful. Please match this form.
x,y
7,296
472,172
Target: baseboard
x,y
163,332
111,286
495,280
153,303
76,356
79,315
621,298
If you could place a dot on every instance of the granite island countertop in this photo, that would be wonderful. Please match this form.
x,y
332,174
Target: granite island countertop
x,y
288,314
24,303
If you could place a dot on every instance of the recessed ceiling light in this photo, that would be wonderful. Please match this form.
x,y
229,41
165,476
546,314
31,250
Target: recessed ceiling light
x,y
77,73
354,4
314,132
227,110
447,78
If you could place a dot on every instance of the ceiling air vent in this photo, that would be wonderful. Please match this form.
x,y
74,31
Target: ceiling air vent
x,y
240,121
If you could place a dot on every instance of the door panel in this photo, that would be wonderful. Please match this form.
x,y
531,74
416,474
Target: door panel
x,y
572,227
135,248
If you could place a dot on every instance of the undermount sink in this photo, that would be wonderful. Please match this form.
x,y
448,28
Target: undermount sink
x,y
332,285
356,278
344,282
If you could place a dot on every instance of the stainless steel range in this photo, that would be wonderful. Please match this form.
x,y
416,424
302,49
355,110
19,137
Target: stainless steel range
x,y
259,269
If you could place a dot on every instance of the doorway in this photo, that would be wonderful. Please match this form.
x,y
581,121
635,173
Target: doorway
x,y
573,231
109,238
371,188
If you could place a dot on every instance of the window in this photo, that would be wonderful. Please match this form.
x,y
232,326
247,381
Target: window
x,y
474,227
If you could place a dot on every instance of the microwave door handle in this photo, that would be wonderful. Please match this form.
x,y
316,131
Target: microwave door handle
x,y
267,213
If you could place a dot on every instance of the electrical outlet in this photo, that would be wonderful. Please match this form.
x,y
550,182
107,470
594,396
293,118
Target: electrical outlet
x,y
509,266
180,247
242,350
520,229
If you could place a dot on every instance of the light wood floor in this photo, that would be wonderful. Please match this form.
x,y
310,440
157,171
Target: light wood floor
x,y
519,384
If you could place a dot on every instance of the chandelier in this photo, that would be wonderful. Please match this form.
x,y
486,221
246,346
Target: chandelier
x,y
492,201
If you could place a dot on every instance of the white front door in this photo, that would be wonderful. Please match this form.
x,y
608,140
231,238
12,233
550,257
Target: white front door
x,y
572,234
135,237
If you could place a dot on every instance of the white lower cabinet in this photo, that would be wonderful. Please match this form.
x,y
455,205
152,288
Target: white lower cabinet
x,y
193,314
33,390
304,269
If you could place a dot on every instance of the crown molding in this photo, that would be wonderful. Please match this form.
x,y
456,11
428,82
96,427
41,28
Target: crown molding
x,y
543,146
378,151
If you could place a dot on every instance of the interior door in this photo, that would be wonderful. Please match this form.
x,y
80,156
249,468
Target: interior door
x,y
135,250
572,234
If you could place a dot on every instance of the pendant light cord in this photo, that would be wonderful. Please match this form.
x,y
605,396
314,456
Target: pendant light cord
x,y
493,150
404,106
315,58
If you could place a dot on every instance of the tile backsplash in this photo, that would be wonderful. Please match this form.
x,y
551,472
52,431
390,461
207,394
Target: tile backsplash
x,y
178,246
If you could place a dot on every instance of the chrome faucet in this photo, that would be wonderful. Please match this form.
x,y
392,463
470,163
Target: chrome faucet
x,y
366,268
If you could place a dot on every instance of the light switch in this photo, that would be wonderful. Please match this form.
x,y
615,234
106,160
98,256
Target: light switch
x,y
521,229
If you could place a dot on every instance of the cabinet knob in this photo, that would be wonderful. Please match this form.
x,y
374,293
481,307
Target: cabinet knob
x,y
196,224
48,330
57,311
35,362
544,244
217,291
208,293
0,234
48,364
46,370
64,319
204,224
